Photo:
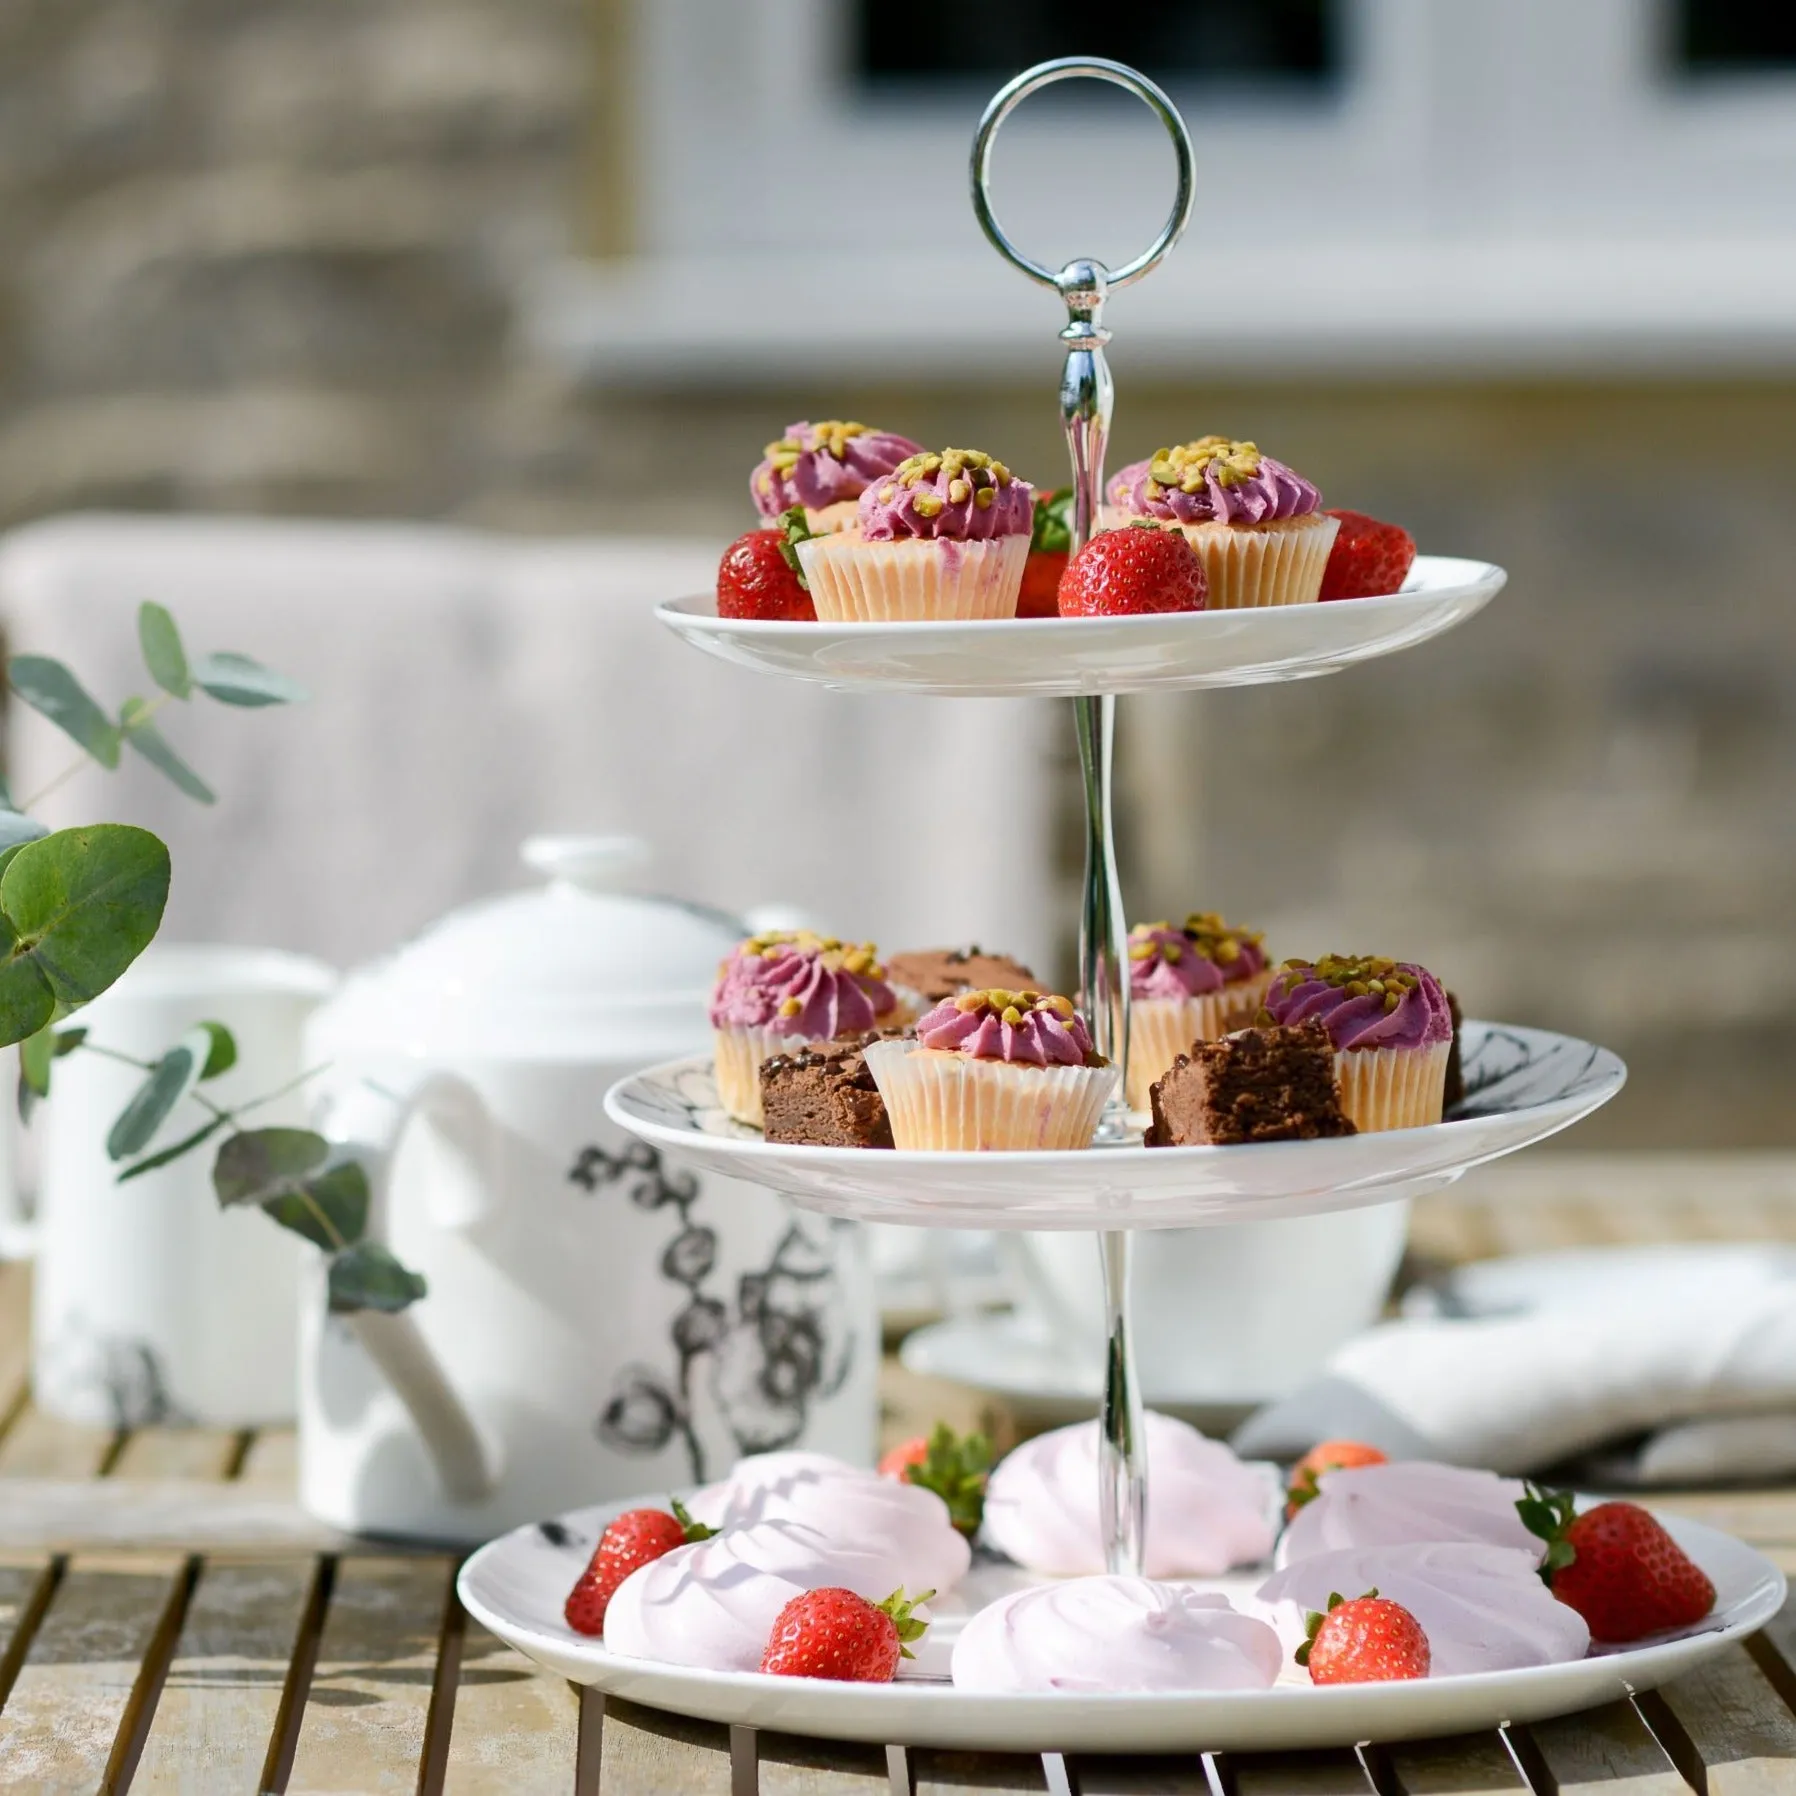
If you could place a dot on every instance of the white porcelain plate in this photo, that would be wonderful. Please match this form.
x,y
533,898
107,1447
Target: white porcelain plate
x,y
516,1585
1522,1085
1057,657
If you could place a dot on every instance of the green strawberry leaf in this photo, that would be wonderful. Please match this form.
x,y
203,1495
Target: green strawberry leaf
x,y
1550,1514
1051,533
899,1607
794,528
682,1515
956,1468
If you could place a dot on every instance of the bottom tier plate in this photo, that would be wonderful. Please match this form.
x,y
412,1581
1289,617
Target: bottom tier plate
x,y
516,1585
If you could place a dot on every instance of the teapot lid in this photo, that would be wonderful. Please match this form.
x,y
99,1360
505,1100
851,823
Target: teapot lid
x,y
575,969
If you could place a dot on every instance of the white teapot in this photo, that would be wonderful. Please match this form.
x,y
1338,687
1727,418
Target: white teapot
x,y
598,1324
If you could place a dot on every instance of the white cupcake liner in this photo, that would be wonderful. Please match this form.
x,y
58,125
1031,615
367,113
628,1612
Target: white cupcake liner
x,y
1250,566
1161,1029
950,1102
857,582
1392,1088
738,1057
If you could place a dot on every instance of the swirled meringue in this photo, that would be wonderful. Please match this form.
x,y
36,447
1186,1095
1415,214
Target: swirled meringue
x,y
1209,1511
1482,1607
1110,1633
905,1526
713,1603
1401,1504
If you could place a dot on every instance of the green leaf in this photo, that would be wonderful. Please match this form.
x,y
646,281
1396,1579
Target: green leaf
x,y
222,1055
49,687
163,654
76,908
262,1163
368,1277
330,1209
1051,529
16,829
35,1054
237,680
169,1081
141,733
164,1156
66,1041
794,528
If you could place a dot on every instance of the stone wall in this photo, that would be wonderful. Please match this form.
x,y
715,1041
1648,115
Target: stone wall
x,y
262,258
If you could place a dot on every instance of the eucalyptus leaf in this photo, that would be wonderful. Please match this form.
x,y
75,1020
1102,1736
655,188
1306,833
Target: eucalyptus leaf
x,y
66,1041
16,829
329,1209
50,688
262,1163
238,680
163,654
369,1277
222,1055
141,733
169,1081
35,1054
166,1155
76,908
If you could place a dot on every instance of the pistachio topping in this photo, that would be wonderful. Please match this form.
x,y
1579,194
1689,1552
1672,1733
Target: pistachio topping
x,y
859,958
1358,975
1216,940
830,437
1186,465
966,474
1013,1007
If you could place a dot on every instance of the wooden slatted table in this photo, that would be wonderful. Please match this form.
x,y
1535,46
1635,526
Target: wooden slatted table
x,y
171,1623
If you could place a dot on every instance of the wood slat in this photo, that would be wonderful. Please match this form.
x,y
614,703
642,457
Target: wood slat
x,y
15,1335
41,1446
24,1593
76,1693
216,1714
1462,1765
1091,1775
934,1771
645,1752
1732,1725
790,1766
515,1726
1293,1774
202,1453
67,1514
363,1726
1602,1752
271,1466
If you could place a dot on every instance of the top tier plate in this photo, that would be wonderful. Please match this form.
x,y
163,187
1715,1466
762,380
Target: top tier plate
x,y
1083,657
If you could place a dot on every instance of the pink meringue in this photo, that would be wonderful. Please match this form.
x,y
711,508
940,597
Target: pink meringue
x,y
1110,1633
904,1524
1409,1501
1208,1510
1482,1607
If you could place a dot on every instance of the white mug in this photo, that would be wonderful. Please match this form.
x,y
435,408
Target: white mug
x,y
150,1303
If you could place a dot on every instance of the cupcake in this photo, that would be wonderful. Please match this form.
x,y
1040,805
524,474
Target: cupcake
x,y
825,468
1258,527
778,991
943,536
1391,1028
1187,985
994,1070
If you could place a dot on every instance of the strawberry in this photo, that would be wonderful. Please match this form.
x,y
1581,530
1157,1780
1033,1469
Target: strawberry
x,y
1325,1456
759,575
1368,558
1616,1566
954,1466
1126,572
833,1633
1050,542
1370,1640
629,1540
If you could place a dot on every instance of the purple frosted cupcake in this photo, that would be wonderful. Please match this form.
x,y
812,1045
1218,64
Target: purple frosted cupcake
x,y
994,1071
1257,526
825,468
778,991
1391,1027
1188,984
943,536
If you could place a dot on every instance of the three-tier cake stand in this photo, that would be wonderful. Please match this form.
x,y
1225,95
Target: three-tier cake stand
x,y
1522,1085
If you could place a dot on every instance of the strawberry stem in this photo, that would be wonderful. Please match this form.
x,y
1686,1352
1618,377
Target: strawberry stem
x,y
794,528
682,1515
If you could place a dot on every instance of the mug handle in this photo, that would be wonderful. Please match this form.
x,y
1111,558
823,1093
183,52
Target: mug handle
x,y
368,1126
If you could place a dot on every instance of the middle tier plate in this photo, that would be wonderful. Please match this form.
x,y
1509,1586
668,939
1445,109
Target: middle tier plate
x,y
1084,657
1521,1086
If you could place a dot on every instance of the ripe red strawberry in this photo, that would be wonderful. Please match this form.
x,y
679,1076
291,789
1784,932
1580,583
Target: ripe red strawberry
x,y
1050,542
1139,569
833,1633
1325,1456
1616,1566
629,1540
954,1466
1370,1640
1368,558
759,575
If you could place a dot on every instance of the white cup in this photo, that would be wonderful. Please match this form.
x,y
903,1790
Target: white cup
x,y
150,1304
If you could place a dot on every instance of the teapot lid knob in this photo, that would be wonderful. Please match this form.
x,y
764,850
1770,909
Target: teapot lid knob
x,y
593,863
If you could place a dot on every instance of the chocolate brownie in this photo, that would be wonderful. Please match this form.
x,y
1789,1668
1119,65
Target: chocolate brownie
x,y
824,1096
1262,1084
938,973
1454,1092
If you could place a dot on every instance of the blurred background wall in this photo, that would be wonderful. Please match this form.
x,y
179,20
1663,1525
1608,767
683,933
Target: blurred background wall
x,y
1518,275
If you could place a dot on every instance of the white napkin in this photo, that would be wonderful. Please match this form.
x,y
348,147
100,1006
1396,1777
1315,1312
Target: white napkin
x,y
1673,1364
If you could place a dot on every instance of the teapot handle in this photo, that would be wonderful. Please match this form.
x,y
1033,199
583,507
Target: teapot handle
x,y
368,1126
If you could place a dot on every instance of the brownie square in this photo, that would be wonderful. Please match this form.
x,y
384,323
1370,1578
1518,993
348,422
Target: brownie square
x,y
938,973
1454,1092
824,1096
1266,1084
